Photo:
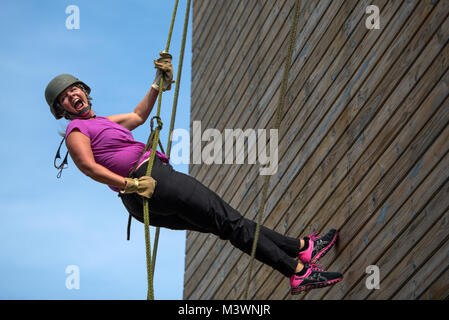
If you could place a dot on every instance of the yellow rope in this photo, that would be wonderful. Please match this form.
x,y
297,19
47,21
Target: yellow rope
x,y
151,259
280,110
173,114
146,211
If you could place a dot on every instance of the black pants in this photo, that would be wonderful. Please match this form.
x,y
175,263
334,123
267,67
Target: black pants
x,y
180,202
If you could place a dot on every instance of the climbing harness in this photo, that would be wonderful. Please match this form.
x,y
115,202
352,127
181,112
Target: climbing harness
x,y
279,115
153,141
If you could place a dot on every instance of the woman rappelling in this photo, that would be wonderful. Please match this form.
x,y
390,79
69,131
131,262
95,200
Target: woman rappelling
x,y
103,148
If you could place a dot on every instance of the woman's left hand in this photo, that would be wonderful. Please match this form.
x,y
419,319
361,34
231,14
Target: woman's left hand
x,y
143,186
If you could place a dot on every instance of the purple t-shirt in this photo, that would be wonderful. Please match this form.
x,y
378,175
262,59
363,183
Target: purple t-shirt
x,y
113,146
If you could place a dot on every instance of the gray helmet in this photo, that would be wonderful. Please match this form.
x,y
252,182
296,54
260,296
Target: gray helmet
x,y
56,86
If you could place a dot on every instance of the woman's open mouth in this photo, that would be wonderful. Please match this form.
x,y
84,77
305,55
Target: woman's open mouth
x,y
78,105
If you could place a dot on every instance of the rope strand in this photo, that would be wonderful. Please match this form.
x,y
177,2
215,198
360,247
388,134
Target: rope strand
x,y
279,115
154,139
173,115
146,211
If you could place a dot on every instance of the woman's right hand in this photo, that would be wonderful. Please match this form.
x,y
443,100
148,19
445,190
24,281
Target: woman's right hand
x,y
164,69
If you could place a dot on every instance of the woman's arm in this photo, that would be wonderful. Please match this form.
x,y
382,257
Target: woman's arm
x,y
140,114
81,152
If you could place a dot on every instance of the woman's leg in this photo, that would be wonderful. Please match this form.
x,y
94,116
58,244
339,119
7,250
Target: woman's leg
x,y
183,196
290,246
134,205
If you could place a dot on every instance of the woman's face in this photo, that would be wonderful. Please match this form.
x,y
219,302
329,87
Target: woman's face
x,y
74,100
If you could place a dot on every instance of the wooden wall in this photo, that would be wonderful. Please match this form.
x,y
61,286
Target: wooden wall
x,y
363,143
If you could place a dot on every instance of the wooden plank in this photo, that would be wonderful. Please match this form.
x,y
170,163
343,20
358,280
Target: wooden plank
x,y
199,21
203,77
405,230
270,20
273,102
359,293
241,50
258,111
267,28
353,226
332,205
264,60
439,288
197,255
248,22
406,214
323,67
233,27
289,200
273,107
376,74
322,151
205,73
198,10
276,84
232,48
212,31
253,48
196,4
369,237
197,7
419,266
208,17
206,81
196,53
237,264
414,100
217,31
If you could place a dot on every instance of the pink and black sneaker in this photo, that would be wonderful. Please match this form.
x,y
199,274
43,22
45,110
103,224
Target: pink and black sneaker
x,y
312,277
316,247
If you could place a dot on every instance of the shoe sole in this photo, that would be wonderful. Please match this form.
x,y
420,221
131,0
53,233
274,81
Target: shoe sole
x,y
309,287
325,250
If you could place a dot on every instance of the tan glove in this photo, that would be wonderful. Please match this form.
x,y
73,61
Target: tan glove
x,y
164,69
143,186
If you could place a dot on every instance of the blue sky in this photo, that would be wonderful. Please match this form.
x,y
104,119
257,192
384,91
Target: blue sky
x,y
47,223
